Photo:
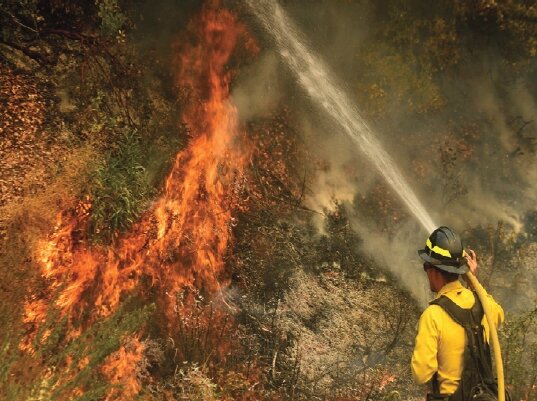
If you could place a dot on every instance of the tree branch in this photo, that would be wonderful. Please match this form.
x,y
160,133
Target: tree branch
x,y
18,22
38,57
70,35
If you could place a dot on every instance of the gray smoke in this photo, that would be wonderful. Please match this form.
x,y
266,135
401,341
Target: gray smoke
x,y
464,179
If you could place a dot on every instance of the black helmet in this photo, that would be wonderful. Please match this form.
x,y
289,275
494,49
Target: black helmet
x,y
445,251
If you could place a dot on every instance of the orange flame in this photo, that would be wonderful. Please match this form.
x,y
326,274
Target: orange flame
x,y
120,370
183,241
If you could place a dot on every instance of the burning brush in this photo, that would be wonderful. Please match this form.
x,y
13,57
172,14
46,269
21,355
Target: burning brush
x,y
182,241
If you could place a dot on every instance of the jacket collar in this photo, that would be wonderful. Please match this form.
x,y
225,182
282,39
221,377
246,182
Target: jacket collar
x,y
453,286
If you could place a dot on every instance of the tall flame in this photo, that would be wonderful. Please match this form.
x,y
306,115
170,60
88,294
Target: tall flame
x,y
183,240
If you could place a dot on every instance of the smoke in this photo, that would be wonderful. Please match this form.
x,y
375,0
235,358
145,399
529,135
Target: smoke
x,y
500,178
472,163
397,254
259,88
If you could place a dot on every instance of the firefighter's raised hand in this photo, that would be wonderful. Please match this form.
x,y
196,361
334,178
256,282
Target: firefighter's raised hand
x,y
471,260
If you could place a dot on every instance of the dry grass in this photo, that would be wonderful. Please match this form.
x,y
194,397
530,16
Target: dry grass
x,y
27,221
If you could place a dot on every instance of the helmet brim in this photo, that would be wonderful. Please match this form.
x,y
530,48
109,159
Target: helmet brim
x,y
423,253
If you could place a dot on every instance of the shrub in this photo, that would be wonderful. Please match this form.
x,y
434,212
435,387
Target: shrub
x,y
118,188
112,18
520,355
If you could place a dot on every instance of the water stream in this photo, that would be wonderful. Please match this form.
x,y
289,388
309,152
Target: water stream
x,y
320,84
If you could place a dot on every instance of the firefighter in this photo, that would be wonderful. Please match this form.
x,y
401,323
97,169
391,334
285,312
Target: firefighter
x,y
440,343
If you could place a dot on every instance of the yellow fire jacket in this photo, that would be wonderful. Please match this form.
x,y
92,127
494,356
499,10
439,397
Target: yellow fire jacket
x,y
440,342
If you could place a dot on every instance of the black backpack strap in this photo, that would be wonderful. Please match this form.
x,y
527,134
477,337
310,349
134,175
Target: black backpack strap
x,y
460,315
464,317
435,384
482,349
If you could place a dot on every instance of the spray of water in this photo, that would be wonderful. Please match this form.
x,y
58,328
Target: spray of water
x,y
323,89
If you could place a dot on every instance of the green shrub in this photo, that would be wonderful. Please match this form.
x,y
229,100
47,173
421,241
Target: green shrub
x,y
520,355
118,188
112,18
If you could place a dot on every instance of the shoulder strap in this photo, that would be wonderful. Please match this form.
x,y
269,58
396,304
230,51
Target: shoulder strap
x,y
464,317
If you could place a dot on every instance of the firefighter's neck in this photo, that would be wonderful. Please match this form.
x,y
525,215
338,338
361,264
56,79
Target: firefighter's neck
x,y
436,280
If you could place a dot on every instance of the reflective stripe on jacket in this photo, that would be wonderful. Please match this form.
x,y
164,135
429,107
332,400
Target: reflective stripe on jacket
x,y
440,342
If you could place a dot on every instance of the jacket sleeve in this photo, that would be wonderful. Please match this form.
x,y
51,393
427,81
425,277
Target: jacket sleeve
x,y
499,311
424,358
